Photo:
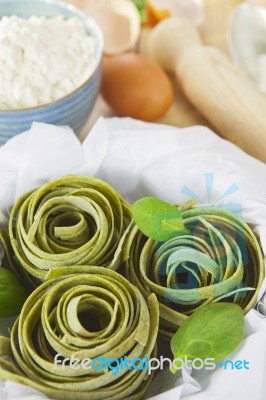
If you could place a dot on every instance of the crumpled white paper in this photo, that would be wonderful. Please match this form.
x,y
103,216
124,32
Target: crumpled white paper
x,y
141,159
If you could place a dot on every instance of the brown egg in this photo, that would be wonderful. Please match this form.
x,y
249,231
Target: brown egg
x,y
135,86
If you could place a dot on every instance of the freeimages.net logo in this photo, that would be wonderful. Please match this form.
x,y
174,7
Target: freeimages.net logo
x,y
210,198
149,364
212,239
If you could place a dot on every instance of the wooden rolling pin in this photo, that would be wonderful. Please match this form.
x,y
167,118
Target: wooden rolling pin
x,y
225,96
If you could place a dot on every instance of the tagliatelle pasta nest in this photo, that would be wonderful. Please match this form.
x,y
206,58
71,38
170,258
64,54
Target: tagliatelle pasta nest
x,y
69,237
50,324
72,220
219,259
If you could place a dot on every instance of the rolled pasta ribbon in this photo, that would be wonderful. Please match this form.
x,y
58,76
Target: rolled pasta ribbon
x,y
82,314
71,220
220,259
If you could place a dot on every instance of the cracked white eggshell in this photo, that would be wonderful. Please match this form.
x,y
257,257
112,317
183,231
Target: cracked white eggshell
x,y
247,41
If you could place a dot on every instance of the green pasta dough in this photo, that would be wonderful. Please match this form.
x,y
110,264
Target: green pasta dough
x,y
218,259
72,220
82,312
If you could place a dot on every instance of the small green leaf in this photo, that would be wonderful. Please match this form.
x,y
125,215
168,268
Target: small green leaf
x,y
213,331
141,6
158,219
12,294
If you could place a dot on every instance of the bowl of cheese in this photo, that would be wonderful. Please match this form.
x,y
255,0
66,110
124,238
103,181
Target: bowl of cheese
x,y
50,65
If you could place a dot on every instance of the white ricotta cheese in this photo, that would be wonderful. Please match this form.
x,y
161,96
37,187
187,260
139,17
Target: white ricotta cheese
x,y
42,59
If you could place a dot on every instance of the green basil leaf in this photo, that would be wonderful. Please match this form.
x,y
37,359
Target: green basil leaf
x,y
212,331
158,219
12,294
141,6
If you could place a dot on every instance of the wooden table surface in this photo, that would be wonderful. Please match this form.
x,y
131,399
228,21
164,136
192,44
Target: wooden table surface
x,y
213,32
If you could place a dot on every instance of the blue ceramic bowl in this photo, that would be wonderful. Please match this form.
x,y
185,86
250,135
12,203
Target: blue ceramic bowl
x,y
73,109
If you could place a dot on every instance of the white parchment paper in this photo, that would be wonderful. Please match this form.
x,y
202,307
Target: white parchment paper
x,y
141,159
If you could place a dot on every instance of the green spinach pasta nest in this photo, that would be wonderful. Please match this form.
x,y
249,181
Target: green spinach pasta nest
x,y
82,313
218,258
71,220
